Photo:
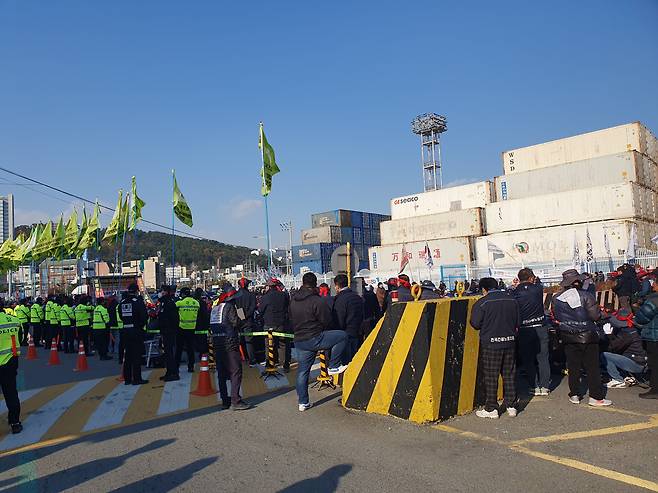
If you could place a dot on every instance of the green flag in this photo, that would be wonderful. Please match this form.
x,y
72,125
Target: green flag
x,y
125,215
138,204
19,244
114,227
82,232
28,246
42,250
181,209
57,244
270,167
71,233
88,240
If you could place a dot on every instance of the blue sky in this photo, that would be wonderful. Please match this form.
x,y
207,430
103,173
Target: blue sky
x,y
94,92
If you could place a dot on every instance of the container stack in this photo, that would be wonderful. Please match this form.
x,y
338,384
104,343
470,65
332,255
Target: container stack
x,y
330,230
553,195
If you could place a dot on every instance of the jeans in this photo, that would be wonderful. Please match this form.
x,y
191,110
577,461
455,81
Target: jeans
x,y
615,362
533,349
306,352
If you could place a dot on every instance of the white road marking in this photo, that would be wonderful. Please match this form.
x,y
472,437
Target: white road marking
x,y
176,395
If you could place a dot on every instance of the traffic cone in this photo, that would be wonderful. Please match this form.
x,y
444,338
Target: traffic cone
x,y
204,388
81,364
54,355
31,349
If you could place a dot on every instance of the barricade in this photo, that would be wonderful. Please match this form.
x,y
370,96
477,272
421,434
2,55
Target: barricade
x,y
270,366
324,380
211,354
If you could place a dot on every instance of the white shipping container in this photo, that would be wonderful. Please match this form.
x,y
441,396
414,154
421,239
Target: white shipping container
x,y
613,140
387,259
467,222
605,170
578,206
545,245
323,234
445,200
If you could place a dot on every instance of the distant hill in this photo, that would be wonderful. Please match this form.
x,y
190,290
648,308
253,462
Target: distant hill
x,y
203,253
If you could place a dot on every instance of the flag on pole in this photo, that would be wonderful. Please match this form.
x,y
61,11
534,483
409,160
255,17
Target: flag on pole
x,y
125,216
138,204
589,253
270,167
404,261
71,233
495,251
181,209
632,242
88,240
57,245
576,252
28,246
113,228
428,256
43,243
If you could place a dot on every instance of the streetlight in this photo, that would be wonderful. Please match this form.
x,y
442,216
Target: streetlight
x,y
287,226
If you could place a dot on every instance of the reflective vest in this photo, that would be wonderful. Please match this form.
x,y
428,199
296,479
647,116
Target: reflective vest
x,y
22,313
188,309
83,315
11,312
119,321
9,345
36,313
66,316
51,316
101,318
57,309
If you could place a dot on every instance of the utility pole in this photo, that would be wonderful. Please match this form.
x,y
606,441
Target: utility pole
x,y
287,226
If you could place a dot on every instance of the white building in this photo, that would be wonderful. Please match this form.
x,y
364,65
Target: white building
x,y
7,214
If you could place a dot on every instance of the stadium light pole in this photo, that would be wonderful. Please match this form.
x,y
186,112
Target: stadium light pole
x,y
287,226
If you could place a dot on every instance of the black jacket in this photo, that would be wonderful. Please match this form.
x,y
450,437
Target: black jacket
x,y
246,300
347,312
530,298
133,314
627,283
224,323
404,294
627,341
168,315
496,316
203,316
310,314
576,325
274,306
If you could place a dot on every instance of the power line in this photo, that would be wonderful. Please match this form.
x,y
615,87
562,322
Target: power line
x,y
83,199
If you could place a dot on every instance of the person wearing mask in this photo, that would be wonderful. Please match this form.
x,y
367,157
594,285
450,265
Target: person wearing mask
x,y
9,353
382,301
245,305
202,323
37,320
311,321
273,307
188,312
168,325
99,326
347,315
624,350
131,313
576,311
58,333
67,322
22,312
646,318
496,316
84,314
404,288
224,323
533,332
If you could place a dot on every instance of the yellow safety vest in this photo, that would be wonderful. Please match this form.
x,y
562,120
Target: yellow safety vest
x,y
22,312
83,314
36,313
9,344
66,316
188,308
101,318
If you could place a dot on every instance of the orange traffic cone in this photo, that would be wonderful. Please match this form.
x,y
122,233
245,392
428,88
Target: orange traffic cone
x,y
31,349
204,388
54,355
81,364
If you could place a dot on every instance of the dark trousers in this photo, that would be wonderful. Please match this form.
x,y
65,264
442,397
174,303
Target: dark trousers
x,y
652,360
251,349
229,367
351,348
49,332
281,345
533,349
69,336
201,344
101,340
58,335
169,343
122,347
23,331
132,364
83,336
8,375
185,339
495,362
37,333
584,356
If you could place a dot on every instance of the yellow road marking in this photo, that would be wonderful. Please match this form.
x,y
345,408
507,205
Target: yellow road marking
x,y
468,434
613,430
38,445
614,409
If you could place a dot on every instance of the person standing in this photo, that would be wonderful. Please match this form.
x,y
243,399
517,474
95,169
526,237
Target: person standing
x,y
114,331
188,311
202,323
51,323
310,316
9,353
646,319
99,326
67,322
404,288
224,324
22,312
274,306
245,305
168,324
84,313
347,315
58,334
576,312
496,316
132,315
626,285
533,332
37,320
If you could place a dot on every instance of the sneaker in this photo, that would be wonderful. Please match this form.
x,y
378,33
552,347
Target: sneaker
x,y
171,378
630,381
336,371
304,407
599,402
225,405
545,391
536,391
16,428
482,413
140,382
574,399
616,384
652,394
511,412
241,406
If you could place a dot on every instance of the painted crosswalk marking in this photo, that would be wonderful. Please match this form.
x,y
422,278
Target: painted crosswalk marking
x,y
176,395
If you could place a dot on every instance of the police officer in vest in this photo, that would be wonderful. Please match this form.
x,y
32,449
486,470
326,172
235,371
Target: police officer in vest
x,y
9,352
83,315
168,324
36,321
132,314
67,322
202,322
58,335
188,310
22,312
99,327
51,324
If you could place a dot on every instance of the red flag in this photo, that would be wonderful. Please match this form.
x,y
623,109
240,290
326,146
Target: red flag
x,y
404,261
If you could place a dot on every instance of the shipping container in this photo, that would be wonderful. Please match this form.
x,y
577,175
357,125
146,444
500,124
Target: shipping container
x,y
615,169
357,219
323,234
386,260
545,245
578,206
347,234
357,235
317,266
367,237
338,217
367,220
315,251
467,222
613,140
445,200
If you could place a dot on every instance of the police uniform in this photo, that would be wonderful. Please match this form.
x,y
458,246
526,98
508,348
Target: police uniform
x,y
133,317
51,323
168,325
22,312
9,352
99,328
36,321
188,310
67,322
83,315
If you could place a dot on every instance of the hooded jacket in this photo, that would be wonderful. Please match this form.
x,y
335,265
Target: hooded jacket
x,y
647,318
347,312
274,307
310,314
627,283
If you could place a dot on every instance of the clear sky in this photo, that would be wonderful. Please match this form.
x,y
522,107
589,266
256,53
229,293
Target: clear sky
x,y
93,92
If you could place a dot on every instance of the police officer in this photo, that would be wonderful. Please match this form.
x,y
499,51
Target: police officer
x,y
188,310
133,316
202,322
51,322
9,352
36,321
83,315
246,308
99,326
22,312
67,322
168,324
58,335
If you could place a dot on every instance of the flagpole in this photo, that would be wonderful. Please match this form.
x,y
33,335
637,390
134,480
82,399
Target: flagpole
x,y
267,212
173,236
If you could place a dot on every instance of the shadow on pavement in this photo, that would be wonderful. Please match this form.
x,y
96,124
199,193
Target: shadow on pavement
x,y
327,482
8,482
167,481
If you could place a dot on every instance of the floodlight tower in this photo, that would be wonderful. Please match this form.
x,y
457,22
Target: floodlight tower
x,y
430,126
